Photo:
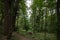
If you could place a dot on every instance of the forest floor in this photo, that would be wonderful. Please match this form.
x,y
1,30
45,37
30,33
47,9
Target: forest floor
x,y
17,36
21,37
37,36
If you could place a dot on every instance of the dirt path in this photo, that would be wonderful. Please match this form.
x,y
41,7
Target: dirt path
x,y
20,37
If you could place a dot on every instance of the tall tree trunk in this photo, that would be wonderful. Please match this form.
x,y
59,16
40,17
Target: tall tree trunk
x,y
10,11
7,17
58,17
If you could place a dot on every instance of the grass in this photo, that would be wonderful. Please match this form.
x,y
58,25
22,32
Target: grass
x,y
37,36
14,38
40,36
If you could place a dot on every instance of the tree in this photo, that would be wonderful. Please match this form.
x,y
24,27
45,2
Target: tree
x,y
10,13
22,20
58,21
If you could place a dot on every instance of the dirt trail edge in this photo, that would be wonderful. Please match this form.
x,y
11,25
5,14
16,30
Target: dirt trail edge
x,y
20,37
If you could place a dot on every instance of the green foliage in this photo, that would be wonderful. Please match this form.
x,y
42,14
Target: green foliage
x,y
43,17
42,22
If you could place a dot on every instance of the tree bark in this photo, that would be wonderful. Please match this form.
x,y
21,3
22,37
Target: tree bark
x,y
58,19
10,12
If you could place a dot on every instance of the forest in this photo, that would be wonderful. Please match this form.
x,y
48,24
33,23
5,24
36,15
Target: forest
x,y
29,19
